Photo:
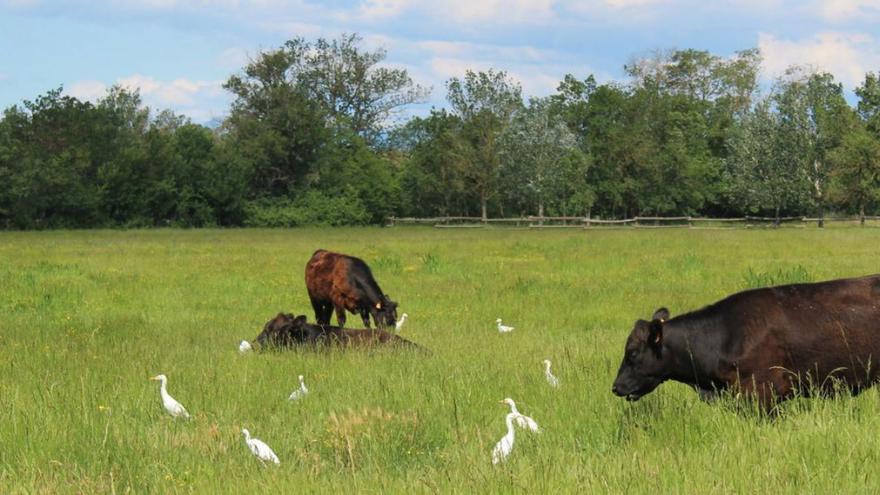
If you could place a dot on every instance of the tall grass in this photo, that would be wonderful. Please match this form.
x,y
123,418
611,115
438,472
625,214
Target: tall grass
x,y
87,317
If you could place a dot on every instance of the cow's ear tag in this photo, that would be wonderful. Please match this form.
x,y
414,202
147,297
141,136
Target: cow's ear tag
x,y
378,305
655,335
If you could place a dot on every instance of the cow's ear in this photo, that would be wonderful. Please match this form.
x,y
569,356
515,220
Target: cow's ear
x,y
655,332
661,314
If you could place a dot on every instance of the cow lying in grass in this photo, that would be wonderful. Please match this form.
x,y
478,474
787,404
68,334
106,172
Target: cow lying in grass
x,y
285,330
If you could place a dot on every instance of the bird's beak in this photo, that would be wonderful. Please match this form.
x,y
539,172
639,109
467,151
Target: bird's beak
x,y
501,402
154,378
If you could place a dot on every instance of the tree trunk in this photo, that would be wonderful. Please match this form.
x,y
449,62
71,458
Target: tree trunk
x,y
862,214
777,221
540,213
483,206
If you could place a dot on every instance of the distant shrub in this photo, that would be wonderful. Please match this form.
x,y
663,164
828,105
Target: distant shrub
x,y
312,208
781,276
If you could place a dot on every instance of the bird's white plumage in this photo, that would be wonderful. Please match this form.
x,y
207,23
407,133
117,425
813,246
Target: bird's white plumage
x,y
173,407
245,346
503,328
300,392
263,452
505,445
552,380
520,419
400,322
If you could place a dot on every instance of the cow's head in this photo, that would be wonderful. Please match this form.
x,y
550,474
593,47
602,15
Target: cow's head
x,y
284,329
644,362
384,312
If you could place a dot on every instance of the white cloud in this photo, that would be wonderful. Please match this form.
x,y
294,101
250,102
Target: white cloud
x,y
200,100
623,4
847,56
843,10
87,90
179,92
495,11
233,58
373,10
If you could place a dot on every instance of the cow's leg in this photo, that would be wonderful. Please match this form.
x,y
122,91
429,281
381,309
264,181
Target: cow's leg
x,y
340,316
326,313
365,315
318,306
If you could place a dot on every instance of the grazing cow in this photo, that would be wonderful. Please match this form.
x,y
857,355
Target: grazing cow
x,y
286,331
341,282
769,343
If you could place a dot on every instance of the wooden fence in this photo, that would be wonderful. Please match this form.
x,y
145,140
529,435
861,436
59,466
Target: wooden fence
x,y
536,222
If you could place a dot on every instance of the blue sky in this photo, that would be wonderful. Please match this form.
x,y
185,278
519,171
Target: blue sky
x,y
178,52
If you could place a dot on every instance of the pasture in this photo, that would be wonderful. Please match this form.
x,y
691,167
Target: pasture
x,y
87,317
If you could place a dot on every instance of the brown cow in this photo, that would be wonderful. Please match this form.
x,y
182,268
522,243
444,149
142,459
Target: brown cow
x,y
341,282
285,331
770,343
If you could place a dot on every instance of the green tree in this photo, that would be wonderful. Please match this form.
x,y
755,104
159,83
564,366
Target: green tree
x,y
815,116
484,101
869,102
354,88
537,150
276,125
433,181
856,172
762,172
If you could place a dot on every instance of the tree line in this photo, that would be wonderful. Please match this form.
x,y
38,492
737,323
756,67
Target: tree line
x,y
313,136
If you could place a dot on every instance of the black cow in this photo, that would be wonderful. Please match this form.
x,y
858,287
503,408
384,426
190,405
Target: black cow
x,y
342,282
286,331
768,343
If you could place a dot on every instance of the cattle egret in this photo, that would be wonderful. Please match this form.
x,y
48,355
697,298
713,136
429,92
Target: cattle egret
x,y
552,380
503,328
245,346
400,322
521,420
173,407
300,392
505,445
260,449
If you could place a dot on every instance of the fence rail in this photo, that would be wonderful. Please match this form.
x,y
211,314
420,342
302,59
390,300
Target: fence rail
x,y
539,222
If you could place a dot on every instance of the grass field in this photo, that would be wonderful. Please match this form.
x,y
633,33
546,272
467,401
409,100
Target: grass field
x,y
87,317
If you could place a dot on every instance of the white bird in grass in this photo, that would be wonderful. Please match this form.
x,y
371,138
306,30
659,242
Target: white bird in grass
x,y
173,407
521,420
300,392
259,448
503,328
552,380
505,445
400,322
245,346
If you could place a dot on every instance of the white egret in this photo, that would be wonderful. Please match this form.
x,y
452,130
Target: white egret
x,y
503,328
173,407
400,322
505,445
263,452
300,392
521,420
245,346
552,380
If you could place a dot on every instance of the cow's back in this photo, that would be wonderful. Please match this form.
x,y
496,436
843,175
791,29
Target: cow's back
x,y
326,274
818,329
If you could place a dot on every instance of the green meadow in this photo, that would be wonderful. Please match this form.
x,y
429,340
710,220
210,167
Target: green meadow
x,y
86,317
